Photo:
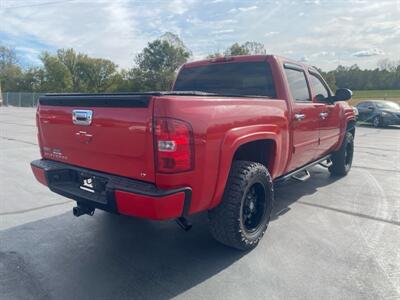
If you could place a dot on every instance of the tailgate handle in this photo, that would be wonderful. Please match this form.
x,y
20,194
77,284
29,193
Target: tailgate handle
x,y
82,117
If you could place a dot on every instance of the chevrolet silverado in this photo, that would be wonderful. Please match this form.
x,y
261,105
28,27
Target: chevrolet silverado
x,y
229,129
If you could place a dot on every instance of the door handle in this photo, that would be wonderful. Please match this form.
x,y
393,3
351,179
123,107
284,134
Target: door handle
x,y
82,117
323,115
299,117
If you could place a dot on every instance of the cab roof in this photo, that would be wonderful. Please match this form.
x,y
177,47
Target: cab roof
x,y
244,58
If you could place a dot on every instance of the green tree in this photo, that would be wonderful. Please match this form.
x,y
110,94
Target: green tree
x,y
71,60
248,48
127,81
157,63
237,49
57,78
329,78
8,57
33,80
98,75
10,71
255,48
155,69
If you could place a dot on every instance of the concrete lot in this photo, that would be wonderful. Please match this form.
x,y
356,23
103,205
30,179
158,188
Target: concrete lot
x,y
329,238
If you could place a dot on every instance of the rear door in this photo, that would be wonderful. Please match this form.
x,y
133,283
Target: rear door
x,y
329,119
305,118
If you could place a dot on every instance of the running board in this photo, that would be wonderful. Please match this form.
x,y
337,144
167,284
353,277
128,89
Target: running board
x,y
326,164
302,177
304,169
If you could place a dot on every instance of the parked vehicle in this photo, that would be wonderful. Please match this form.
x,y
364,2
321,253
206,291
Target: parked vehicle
x,y
355,110
379,112
229,130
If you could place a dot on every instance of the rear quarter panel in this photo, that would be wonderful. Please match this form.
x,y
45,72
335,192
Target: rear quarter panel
x,y
220,126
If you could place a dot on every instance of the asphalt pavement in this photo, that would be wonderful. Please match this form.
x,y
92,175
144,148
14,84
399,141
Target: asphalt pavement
x,y
329,238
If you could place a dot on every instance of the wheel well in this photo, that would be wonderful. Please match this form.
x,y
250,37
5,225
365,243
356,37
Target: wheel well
x,y
261,151
351,127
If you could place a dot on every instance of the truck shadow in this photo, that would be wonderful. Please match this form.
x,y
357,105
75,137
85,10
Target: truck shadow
x,y
107,257
115,257
291,191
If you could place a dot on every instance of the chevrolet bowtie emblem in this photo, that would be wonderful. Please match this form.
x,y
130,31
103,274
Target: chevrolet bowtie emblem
x,y
84,137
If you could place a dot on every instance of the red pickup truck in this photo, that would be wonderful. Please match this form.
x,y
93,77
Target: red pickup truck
x,y
229,130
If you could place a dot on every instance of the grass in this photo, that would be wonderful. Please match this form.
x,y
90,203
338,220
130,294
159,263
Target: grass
x,y
392,95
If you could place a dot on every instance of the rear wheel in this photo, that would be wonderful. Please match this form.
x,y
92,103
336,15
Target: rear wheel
x,y
343,158
243,215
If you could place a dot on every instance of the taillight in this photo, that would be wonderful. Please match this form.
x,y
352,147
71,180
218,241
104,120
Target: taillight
x,y
173,145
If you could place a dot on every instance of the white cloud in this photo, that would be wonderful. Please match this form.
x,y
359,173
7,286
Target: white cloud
x,y
316,2
304,59
242,9
178,6
346,18
27,50
31,55
368,52
119,29
103,29
323,54
222,31
271,33
247,8
227,21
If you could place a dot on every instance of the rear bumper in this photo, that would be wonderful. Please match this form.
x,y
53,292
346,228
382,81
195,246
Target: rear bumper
x,y
113,193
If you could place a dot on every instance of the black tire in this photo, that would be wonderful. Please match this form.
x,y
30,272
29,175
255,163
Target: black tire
x,y
377,122
343,158
236,222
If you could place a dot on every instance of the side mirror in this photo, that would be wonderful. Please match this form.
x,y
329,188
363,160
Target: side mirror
x,y
321,98
343,95
371,107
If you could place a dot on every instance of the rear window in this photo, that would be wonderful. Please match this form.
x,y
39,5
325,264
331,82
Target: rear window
x,y
241,78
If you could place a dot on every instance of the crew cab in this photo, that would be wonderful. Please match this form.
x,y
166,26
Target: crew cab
x,y
229,129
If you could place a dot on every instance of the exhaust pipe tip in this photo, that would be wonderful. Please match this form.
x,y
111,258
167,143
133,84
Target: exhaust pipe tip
x,y
76,211
80,210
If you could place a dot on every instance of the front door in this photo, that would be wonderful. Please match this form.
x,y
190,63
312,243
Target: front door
x,y
329,120
365,111
305,118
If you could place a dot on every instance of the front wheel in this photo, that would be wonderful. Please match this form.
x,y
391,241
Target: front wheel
x,y
343,158
377,122
242,217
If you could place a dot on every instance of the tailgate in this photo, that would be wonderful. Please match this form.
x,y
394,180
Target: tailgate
x,y
105,132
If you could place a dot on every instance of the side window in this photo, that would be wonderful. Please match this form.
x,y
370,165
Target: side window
x,y
363,105
320,90
298,84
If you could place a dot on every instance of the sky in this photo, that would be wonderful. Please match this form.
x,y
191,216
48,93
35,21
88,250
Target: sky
x,y
321,33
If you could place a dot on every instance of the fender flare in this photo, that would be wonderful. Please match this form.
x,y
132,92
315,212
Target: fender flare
x,y
235,138
348,117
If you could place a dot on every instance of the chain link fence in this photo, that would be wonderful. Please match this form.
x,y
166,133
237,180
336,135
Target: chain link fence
x,y
20,99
